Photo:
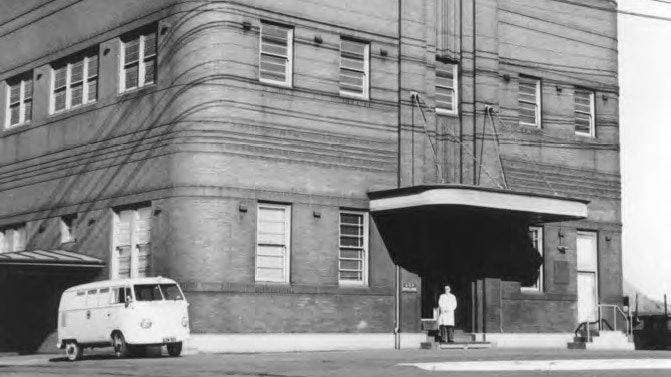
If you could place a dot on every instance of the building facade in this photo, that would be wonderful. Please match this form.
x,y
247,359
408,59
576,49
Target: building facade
x,y
233,146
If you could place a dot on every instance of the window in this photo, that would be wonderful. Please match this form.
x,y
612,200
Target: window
x,y
353,250
138,63
20,100
13,238
68,228
74,83
530,101
132,233
446,88
92,298
273,231
119,295
276,54
588,281
536,236
584,112
354,68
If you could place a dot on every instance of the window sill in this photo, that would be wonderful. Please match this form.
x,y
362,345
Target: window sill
x,y
63,114
15,128
279,84
354,96
136,92
440,111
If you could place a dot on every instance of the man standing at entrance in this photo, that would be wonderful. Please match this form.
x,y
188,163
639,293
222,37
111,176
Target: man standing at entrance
x,y
447,304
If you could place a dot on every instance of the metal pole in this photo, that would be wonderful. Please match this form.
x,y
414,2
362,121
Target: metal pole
x,y
666,312
397,272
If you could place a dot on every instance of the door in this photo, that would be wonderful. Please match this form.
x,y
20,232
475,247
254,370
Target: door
x,y
588,279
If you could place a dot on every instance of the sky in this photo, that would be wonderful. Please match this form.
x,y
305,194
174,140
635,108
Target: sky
x,y
645,137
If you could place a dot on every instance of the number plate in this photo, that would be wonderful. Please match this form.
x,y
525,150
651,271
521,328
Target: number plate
x,y
169,340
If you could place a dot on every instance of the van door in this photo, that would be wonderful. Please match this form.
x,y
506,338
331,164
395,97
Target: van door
x,y
87,332
117,311
101,316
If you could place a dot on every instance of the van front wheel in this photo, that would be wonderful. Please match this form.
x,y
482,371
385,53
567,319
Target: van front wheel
x,y
73,351
119,344
174,349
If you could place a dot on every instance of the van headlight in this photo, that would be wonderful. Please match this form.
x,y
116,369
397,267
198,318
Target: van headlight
x,y
185,321
145,324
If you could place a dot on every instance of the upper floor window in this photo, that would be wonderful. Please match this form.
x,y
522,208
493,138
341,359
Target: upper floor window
x,y
584,112
446,88
132,243
138,63
536,236
273,234
276,54
13,238
530,101
75,82
20,100
354,68
353,253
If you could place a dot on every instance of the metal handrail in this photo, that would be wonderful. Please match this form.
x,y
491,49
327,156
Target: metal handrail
x,y
619,310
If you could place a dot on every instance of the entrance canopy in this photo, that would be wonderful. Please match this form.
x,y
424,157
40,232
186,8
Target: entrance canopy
x,y
457,232
49,258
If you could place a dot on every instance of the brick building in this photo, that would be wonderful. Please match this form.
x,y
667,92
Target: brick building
x,y
279,158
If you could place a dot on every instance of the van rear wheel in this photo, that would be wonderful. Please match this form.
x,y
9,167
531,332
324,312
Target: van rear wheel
x,y
174,349
119,344
73,351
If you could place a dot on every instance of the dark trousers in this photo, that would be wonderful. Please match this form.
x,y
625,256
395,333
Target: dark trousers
x,y
447,333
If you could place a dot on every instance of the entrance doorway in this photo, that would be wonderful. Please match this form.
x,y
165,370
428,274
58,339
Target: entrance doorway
x,y
433,287
588,280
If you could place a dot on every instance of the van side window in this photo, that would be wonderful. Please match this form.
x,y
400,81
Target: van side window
x,y
92,298
103,296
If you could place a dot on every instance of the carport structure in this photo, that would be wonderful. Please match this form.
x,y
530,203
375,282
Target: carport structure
x,y
31,282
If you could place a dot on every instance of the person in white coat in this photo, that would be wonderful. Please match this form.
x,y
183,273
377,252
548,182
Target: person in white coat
x,y
447,304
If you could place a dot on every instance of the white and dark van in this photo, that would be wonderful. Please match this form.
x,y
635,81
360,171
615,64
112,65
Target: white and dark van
x,y
127,314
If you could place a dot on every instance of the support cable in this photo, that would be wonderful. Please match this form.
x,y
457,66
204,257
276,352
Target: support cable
x,y
526,155
488,110
439,170
456,138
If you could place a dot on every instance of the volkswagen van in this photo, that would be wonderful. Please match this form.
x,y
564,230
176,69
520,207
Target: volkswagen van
x,y
126,314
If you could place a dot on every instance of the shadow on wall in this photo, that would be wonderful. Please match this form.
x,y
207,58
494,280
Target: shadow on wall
x,y
29,299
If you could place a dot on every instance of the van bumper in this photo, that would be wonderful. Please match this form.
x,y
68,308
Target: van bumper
x,y
146,336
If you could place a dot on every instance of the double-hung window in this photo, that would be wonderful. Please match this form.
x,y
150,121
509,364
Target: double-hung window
x,y
276,54
446,88
132,243
536,237
353,248
13,238
19,100
529,101
74,82
273,237
138,63
354,68
584,112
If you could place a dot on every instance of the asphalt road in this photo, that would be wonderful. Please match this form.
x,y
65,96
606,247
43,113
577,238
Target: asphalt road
x,y
350,364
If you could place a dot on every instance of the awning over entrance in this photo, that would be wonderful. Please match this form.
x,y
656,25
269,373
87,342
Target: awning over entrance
x,y
537,208
457,232
53,258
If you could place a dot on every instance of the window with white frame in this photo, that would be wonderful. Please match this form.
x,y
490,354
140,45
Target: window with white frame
x,y
536,236
13,238
354,68
68,228
74,82
584,112
529,101
138,60
353,248
276,54
446,88
132,243
273,237
19,100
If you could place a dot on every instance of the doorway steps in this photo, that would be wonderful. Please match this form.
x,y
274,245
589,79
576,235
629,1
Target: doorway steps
x,y
603,340
462,340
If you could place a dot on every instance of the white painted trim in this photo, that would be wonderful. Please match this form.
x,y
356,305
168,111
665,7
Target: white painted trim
x,y
483,199
540,247
455,88
288,69
286,274
366,248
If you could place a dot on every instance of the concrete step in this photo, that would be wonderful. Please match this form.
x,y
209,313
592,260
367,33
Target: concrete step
x,y
607,340
465,345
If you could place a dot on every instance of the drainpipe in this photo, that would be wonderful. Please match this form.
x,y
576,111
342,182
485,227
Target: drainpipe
x,y
397,270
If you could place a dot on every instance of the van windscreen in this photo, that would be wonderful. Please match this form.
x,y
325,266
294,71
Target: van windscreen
x,y
147,292
171,292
